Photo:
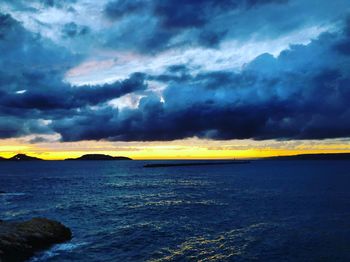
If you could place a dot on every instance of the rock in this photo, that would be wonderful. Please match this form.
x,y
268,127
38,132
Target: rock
x,y
20,240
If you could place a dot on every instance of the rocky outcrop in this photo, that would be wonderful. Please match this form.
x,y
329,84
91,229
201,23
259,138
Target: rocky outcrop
x,y
20,240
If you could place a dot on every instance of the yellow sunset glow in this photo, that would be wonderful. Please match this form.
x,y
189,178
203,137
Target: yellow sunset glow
x,y
181,149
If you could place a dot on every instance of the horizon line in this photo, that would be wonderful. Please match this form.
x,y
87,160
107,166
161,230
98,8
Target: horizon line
x,y
181,158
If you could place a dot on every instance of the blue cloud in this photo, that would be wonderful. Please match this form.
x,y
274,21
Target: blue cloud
x,y
299,95
191,21
121,8
31,82
302,93
73,30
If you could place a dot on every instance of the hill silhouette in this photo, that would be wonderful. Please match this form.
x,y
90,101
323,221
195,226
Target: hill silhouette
x,y
23,157
88,157
325,156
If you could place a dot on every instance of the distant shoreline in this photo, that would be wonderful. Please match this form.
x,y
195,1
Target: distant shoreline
x,y
87,157
323,156
103,157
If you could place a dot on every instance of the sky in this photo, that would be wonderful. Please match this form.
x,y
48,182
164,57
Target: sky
x,y
171,79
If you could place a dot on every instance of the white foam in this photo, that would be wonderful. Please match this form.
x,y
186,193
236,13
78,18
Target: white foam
x,y
56,250
66,247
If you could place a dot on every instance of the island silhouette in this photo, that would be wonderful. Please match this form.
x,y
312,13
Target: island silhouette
x,y
99,157
24,157
21,157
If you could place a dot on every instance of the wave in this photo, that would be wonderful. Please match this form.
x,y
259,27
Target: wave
x,y
56,250
154,184
13,194
178,202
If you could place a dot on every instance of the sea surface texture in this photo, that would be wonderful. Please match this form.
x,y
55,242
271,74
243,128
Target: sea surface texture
x,y
120,211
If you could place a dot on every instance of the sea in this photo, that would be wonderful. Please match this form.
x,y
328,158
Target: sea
x,y
120,211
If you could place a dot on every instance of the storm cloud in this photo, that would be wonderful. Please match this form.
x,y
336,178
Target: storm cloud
x,y
174,23
300,93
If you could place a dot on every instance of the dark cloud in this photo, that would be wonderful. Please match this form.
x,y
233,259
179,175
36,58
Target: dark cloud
x,y
29,54
32,87
197,13
224,114
343,46
151,27
301,94
176,73
6,24
294,96
175,23
182,14
66,97
93,95
57,3
11,126
347,26
211,38
73,30
121,8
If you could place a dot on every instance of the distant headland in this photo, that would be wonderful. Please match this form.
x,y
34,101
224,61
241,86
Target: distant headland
x,y
87,157
99,157
324,156
21,157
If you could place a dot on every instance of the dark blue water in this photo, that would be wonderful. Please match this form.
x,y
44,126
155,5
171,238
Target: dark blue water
x,y
119,211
